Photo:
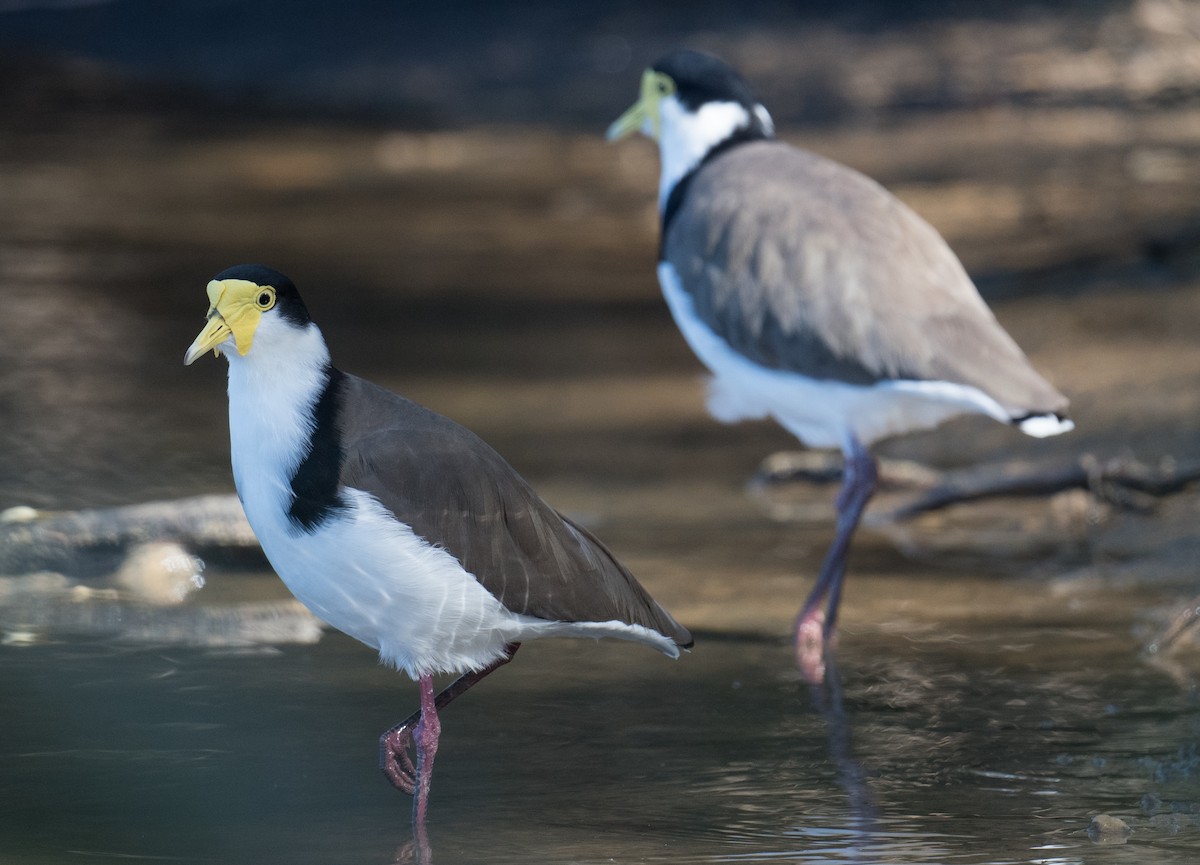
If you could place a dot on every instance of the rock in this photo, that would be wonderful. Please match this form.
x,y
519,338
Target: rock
x,y
1106,829
159,572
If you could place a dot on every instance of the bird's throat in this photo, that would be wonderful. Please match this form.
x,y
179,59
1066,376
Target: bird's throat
x,y
273,398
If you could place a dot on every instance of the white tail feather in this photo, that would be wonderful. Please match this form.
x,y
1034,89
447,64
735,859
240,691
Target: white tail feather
x,y
1043,425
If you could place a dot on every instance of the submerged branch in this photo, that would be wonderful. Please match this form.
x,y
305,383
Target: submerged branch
x,y
94,540
56,541
1123,481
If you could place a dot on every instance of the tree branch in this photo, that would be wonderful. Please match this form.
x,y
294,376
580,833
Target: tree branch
x,y
61,542
1122,481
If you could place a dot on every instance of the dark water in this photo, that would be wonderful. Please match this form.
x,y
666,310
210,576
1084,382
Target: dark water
x,y
984,707
989,746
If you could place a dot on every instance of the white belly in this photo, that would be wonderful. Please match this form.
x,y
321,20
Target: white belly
x,y
371,577
820,412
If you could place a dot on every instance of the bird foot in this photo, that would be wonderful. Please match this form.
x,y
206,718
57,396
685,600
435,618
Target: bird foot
x,y
394,759
811,642
414,852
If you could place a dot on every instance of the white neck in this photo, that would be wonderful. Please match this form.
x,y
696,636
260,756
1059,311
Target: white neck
x,y
272,391
686,137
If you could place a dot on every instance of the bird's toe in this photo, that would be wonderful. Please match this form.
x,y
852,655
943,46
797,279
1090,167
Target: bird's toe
x,y
395,761
810,646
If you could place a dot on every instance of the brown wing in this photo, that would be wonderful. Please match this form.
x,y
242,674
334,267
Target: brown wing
x,y
458,493
806,265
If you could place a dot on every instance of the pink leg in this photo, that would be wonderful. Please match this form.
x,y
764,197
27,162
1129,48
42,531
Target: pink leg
x,y
815,628
426,734
394,744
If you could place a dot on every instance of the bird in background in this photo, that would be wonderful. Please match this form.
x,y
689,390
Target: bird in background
x,y
396,525
816,297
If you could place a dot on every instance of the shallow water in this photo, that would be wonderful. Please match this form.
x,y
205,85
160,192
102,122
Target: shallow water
x,y
989,746
985,705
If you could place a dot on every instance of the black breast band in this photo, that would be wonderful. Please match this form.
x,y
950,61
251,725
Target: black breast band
x,y
315,495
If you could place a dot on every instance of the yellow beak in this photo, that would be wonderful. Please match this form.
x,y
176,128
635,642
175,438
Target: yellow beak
x,y
214,333
628,123
646,108
232,310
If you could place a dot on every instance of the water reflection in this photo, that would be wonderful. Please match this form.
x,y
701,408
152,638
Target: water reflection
x,y
588,752
828,700
974,718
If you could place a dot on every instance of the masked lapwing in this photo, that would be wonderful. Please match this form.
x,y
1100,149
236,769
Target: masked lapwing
x,y
816,297
398,526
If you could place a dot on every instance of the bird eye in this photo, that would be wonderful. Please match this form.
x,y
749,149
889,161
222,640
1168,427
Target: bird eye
x,y
265,299
665,86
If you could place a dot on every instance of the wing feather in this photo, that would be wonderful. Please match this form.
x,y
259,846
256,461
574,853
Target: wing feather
x,y
805,265
456,492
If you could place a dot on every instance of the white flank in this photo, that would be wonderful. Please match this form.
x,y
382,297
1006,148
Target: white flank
x,y
362,571
820,412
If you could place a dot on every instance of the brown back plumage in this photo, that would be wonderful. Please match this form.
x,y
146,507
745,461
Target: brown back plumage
x,y
456,492
805,265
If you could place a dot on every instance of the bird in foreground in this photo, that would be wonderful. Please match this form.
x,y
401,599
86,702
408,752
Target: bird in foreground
x,y
816,297
398,526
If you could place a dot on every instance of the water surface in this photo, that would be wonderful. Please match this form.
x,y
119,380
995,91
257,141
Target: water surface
x,y
985,706
989,745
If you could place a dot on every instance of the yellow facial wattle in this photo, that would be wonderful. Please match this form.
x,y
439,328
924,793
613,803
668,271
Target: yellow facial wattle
x,y
235,308
656,86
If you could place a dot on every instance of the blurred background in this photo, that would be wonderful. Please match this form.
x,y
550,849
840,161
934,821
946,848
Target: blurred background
x,y
434,178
